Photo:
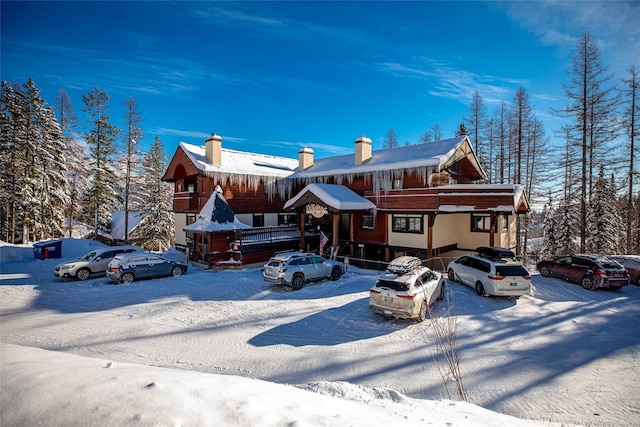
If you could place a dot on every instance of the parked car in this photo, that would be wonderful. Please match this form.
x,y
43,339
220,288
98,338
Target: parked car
x,y
492,271
406,290
94,262
590,271
632,264
297,268
129,267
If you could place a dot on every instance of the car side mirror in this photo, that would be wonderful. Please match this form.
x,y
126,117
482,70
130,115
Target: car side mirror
x,y
98,258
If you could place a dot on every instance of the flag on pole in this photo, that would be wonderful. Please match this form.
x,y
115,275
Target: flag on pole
x,y
323,241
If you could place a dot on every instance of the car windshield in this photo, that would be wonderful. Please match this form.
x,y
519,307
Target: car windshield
x,y
88,256
511,270
396,286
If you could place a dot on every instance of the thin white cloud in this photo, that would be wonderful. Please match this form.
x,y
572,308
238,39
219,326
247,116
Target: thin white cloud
x,y
614,25
445,81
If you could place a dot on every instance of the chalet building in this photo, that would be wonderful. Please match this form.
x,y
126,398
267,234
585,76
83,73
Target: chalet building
x,y
425,200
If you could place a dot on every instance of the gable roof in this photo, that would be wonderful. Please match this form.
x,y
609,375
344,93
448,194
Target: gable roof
x,y
240,162
337,198
434,156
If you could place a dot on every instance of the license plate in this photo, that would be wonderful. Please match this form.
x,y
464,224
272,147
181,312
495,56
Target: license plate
x,y
514,284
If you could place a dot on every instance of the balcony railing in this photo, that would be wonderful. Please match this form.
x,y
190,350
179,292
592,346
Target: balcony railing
x,y
268,234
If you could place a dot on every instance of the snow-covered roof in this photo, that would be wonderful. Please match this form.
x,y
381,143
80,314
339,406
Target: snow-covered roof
x,y
117,222
216,215
432,154
498,190
240,162
337,197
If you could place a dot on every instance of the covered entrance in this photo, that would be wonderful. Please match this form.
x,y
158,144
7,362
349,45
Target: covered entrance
x,y
330,207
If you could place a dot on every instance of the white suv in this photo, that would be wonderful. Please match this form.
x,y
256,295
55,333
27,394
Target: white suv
x,y
94,262
492,271
406,290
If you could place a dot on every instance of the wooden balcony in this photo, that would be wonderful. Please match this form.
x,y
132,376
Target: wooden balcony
x,y
447,198
186,202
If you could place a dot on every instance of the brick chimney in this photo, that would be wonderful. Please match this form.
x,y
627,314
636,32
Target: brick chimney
x,y
305,158
363,150
213,149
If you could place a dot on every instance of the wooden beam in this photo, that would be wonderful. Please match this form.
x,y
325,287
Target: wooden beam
x,y
301,225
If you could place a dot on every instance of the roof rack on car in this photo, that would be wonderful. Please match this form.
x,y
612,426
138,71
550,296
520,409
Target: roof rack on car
x,y
493,252
405,267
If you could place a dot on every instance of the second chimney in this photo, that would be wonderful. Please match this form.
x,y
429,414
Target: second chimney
x,y
213,149
305,158
363,150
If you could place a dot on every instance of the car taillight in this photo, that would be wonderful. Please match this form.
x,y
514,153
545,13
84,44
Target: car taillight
x,y
282,270
600,272
526,277
407,296
496,277
374,291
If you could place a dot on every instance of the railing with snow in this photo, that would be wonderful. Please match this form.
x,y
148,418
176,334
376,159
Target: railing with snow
x,y
268,234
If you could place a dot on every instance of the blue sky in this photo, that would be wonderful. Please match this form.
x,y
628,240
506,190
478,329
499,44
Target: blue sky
x,y
273,77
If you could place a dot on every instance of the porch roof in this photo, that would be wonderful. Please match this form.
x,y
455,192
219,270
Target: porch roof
x,y
337,198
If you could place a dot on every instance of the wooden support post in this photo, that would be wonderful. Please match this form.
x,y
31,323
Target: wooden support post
x,y
336,228
431,219
492,229
301,225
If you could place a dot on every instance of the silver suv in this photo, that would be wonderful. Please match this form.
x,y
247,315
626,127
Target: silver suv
x,y
406,290
94,262
297,268
492,271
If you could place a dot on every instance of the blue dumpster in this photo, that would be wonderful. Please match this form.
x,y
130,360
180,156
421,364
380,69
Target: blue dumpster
x,y
48,249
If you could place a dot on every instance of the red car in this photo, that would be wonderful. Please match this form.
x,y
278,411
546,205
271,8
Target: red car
x,y
590,271
632,264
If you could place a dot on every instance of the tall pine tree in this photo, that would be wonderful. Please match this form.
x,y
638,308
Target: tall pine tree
x,y
102,198
157,229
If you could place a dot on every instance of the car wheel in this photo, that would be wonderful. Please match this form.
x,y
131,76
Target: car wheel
x,y
480,288
451,274
422,314
83,274
297,282
638,281
587,282
336,273
126,278
544,271
176,271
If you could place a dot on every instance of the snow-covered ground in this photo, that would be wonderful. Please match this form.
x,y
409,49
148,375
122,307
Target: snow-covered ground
x,y
227,348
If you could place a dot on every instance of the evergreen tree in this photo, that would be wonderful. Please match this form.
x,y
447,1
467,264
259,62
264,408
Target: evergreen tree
x,y
102,198
462,130
550,238
157,229
566,229
77,161
34,188
391,141
603,220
